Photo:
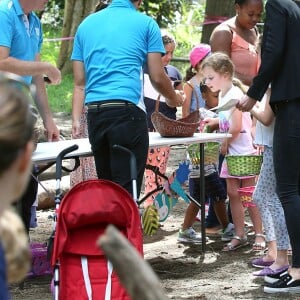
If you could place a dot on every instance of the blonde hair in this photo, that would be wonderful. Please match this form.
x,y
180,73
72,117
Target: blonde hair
x,y
16,121
221,63
15,244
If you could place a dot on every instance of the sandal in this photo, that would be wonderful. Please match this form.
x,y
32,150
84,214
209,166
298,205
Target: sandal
x,y
242,243
259,246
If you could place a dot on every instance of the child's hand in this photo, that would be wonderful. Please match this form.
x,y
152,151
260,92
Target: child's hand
x,y
212,123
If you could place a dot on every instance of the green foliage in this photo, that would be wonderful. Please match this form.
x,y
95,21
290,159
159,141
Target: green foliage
x,y
50,48
60,96
187,32
165,12
53,14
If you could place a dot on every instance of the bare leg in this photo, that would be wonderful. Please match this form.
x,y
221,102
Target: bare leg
x,y
255,217
190,216
237,209
221,213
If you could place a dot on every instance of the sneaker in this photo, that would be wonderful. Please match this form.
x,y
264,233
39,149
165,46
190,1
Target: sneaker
x,y
267,271
286,284
189,236
261,263
228,233
274,277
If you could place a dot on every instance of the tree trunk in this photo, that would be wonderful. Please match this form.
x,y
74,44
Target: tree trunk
x,y
75,11
216,12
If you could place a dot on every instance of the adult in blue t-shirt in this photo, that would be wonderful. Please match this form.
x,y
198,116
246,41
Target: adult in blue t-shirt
x,y
21,39
110,49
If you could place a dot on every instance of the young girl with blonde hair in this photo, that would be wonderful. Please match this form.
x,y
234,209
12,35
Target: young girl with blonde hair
x,y
218,71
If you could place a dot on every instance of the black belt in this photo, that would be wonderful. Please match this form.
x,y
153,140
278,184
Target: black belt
x,y
102,104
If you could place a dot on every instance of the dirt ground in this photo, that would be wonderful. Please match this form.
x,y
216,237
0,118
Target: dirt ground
x,y
184,272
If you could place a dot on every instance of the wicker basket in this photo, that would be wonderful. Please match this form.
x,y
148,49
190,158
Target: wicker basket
x,y
244,165
246,196
211,153
185,127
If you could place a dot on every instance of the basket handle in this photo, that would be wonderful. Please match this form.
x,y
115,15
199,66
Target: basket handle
x,y
197,98
157,103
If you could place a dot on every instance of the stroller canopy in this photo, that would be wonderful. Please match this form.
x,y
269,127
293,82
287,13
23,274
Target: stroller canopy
x,y
85,212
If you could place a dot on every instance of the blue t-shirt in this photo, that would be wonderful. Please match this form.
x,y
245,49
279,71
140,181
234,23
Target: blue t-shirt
x,y
113,45
196,96
23,43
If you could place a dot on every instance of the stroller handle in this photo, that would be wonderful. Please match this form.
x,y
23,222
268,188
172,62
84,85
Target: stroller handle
x,y
133,172
60,158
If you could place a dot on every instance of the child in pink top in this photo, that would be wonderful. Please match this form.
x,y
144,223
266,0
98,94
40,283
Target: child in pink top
x,y
218,71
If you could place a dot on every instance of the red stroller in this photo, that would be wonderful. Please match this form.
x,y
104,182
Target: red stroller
x,y
85,212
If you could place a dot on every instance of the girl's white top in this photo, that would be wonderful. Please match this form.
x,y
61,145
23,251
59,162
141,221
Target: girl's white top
x,y
243,143
264,134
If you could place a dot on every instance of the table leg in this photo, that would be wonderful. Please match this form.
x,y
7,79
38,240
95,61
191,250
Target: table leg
x,y
202,197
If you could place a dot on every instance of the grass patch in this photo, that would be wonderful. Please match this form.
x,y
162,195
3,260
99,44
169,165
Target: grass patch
x,y
60,96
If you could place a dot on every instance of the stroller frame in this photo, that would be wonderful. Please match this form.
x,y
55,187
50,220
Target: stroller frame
x,y
63,212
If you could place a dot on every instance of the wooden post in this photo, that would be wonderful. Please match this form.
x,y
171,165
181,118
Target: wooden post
x,y
136,275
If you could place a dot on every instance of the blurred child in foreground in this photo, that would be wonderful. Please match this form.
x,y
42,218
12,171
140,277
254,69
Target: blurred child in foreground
x,y
16,146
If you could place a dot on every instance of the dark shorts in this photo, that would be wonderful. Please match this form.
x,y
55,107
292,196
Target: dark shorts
x,y
214,188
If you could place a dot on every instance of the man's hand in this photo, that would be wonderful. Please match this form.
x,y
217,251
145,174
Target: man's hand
x,y
246,103
51,130
76,132
53,75
178,101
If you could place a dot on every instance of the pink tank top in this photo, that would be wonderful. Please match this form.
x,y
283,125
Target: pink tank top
x,y
244,55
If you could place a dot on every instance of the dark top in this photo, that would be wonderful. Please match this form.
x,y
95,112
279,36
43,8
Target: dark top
x,y
168,111
280,63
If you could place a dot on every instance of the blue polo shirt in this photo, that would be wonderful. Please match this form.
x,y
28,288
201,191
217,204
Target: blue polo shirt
x,y
113,45
13,33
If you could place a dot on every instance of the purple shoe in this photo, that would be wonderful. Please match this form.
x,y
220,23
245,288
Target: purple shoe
x,y
267,271
260,263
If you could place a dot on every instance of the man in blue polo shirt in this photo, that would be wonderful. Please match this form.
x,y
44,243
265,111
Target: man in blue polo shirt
x,y
20,44
110,49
